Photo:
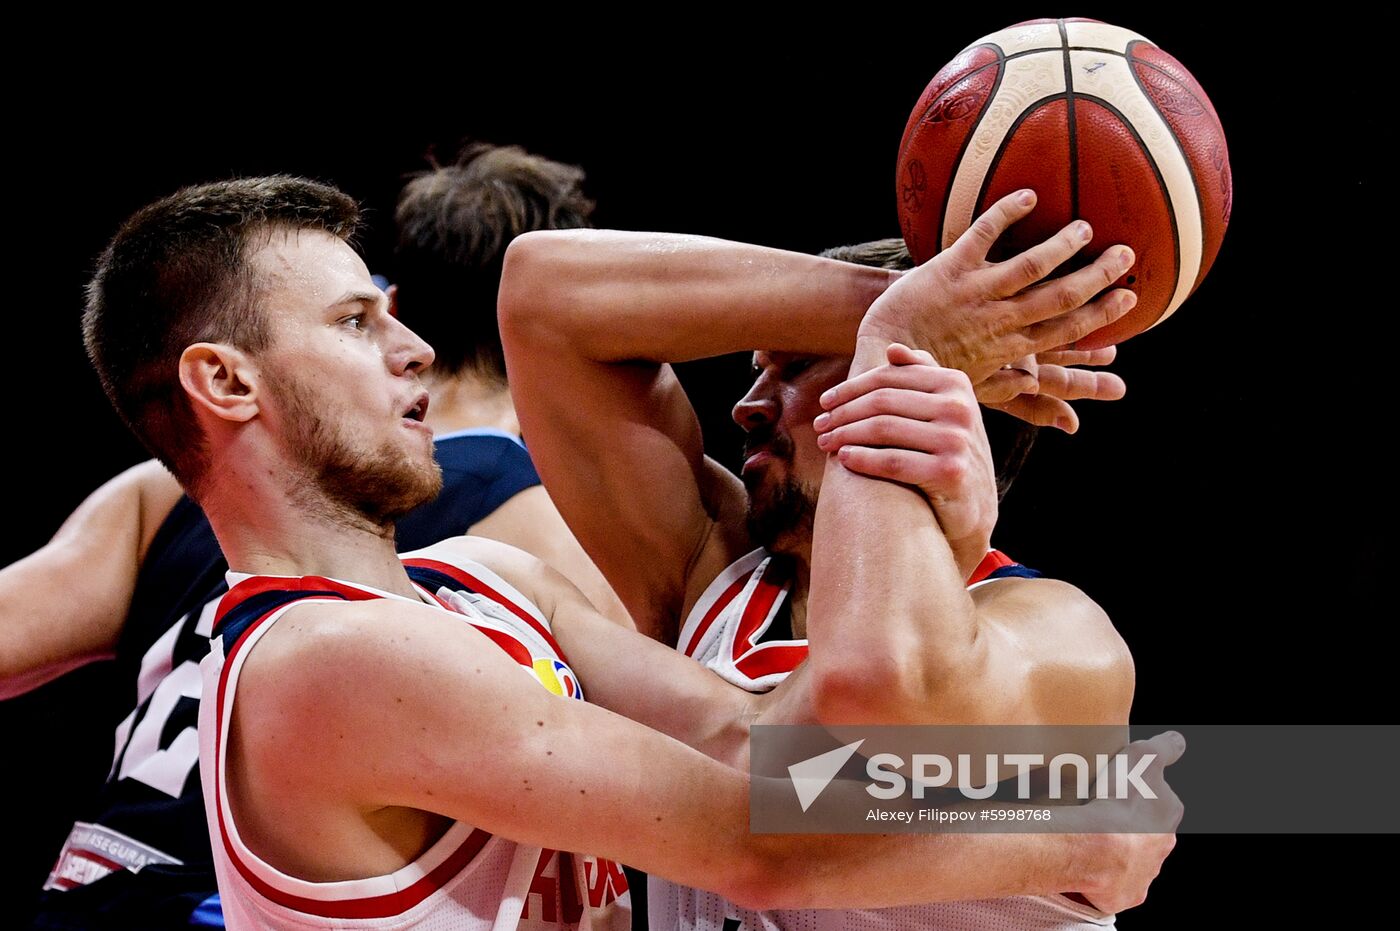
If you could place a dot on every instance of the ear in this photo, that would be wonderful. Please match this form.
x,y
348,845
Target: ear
x,y
220,380
393,292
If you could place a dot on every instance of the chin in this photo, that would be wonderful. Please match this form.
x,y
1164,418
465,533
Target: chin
x,y
780,515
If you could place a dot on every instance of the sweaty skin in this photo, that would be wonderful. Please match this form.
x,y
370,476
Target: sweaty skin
x,y
651,800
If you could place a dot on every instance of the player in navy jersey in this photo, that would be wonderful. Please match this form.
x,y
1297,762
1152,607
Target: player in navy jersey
x,y
241,338
935,627
139,542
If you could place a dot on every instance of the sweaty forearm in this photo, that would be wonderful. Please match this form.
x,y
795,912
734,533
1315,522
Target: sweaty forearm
x,y
889,619
620,296
868,871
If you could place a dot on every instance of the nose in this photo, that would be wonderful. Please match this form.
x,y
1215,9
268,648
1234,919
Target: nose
x,y
406,351
757,408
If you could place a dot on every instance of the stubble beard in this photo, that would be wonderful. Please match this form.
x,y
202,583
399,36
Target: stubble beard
x,y
781,511
780,516
369,486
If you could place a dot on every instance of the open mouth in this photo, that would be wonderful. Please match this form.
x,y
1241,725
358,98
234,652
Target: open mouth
x,y
418,410
756,457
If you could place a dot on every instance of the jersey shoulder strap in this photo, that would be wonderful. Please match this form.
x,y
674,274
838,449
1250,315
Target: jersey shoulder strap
x,y
998,565
260,596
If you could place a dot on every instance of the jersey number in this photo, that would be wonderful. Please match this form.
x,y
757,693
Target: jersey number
x,y
164,769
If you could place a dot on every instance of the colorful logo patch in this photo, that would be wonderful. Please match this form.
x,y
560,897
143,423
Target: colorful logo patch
x,y
558,678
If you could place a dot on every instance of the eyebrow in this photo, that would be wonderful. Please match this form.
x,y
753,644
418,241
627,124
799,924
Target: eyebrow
x,y
360,297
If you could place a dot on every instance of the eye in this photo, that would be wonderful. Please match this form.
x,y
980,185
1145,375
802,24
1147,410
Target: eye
x,y
354,322
796,367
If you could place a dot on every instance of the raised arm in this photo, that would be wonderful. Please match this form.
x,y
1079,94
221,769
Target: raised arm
x,y
895,637
64,605
589,320
889,606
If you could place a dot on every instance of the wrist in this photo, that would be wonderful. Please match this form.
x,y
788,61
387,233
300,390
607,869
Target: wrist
x,y
870,353
969,553
882,316
1089,862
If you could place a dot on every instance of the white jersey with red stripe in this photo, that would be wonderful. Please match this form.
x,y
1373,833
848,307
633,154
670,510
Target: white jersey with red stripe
x,y
740,629
469,880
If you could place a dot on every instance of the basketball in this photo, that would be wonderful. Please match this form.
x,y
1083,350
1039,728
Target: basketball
x,y
1103,125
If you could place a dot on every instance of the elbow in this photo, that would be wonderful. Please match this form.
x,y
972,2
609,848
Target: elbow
x,y
766,880
892,686
533,283
885,691
844,695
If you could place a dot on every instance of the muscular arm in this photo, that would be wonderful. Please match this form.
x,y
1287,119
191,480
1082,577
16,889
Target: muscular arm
x,y
589,320
529,521
491,748
890,607
92,564
625,672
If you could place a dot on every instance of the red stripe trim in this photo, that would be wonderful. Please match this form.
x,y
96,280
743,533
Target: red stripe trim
x,y
724,599
994,560
514,648
307,583
755,613
96,858
382,906
476,585
768,658
507,642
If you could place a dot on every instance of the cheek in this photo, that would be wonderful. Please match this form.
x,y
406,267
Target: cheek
x,y
809,458
801,407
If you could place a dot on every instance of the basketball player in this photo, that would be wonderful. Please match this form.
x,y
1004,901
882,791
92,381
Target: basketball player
x,y
598,317
370,738
145,571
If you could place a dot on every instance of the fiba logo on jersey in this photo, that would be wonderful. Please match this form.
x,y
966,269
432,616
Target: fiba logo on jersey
x,y
557,677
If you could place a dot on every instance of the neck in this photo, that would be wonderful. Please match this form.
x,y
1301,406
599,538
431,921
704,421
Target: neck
x,y
468,400
801,577
270,527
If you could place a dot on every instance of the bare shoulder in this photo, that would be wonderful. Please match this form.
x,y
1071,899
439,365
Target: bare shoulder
x,y
527,573
334,683
1043,605
1077,660
319,641
158,492
483,550
324,655
154,480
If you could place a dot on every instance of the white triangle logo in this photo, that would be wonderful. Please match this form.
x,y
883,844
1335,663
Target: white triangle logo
x,y
811,777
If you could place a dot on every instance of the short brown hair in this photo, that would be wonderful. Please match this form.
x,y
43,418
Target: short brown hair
x,y
879,253
177,273
454,224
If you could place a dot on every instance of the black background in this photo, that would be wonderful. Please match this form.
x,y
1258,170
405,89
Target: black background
x,y
1223,513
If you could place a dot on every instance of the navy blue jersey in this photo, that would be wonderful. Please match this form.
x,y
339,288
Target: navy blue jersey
x,y
481,470
140,858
